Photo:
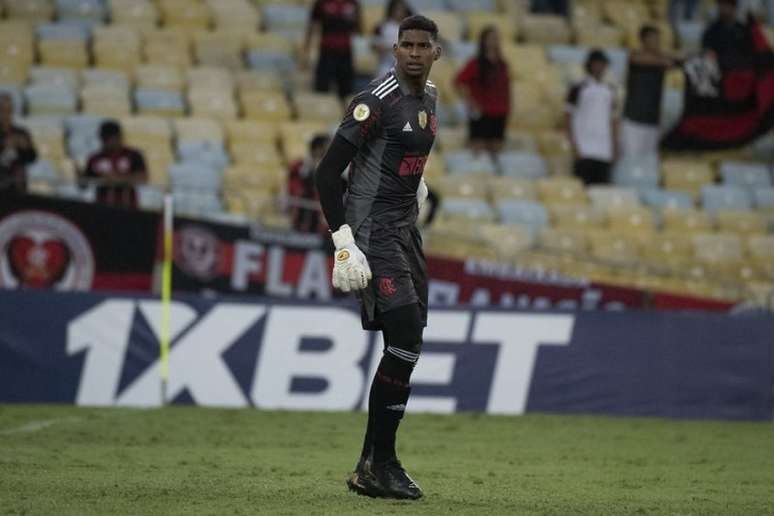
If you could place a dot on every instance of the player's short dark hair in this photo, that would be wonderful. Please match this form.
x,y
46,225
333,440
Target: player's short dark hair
x,y
319,141
594,56
419,22
109,129
647,30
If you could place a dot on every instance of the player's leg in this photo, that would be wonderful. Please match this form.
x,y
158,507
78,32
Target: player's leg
x,y
389,396
323,72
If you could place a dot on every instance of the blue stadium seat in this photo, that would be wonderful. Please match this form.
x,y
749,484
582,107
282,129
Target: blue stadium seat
x,y
64,31
87,12
468,208
671,107
283,17
472,5
521,164
41,97
195,177
658,198
52,76
150,197
159,101
689,34
75,193
722,197
764,198
428,5
206,152
750,175
43,170
464,162
462,51
84,125
196,204
638,172
530,214
267,59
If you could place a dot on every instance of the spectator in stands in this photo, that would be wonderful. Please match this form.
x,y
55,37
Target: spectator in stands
x,y
590,122
303,202
484,83
386,34
16,150
336,21
549,7
116,168
726,38
644,89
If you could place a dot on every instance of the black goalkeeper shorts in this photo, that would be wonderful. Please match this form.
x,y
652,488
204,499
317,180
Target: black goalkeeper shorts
x,y
399,274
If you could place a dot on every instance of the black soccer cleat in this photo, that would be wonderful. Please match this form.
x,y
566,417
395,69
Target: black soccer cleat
x,y
363,482
394,482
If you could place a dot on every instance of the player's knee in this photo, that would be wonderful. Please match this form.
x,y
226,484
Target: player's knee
x,y
403,328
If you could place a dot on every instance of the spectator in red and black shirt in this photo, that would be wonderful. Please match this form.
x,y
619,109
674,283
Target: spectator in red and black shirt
x,y
336,20
16,150
116,168
302,192
485,85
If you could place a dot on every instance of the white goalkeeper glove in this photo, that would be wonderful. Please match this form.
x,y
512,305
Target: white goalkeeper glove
x,y
350,267
421,194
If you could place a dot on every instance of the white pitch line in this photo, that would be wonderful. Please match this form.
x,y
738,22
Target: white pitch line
x,y
34,426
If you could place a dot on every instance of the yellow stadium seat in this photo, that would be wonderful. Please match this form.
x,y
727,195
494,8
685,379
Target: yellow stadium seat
x,y
105,101
268,106
321,107
255,153
686,175
210,77
634,220
269,41
251,132
295,137
567,216
159,77
13,73
660,247
478,20
554,143
250,80
461,187
187,14
613,247
117,47
718,247
502,187
506,241
563,241
434,166
740,222
599,36
143,131
761,246
169,46
268,178
17,42
136,13
525,60
371,16
200,129
559,165
30,10
586,13
442,75
450,24
453,138
212,103
222,48
544,29
158,158
63,53
238,15
686,221
562,190
520,140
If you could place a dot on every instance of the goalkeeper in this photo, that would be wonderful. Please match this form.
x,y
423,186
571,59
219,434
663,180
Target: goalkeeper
x,y
385,137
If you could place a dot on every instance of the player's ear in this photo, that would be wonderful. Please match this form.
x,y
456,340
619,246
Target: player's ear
x,y
438,52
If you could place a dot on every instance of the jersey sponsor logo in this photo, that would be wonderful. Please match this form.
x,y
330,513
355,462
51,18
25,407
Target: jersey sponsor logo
x,y
43,250
412,165
422,117
407,128
198,252
361,112
387,286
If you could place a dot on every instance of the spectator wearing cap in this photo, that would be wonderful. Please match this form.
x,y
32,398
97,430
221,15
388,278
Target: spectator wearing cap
x,y
590,122
16,150
644,90
116,168
303,201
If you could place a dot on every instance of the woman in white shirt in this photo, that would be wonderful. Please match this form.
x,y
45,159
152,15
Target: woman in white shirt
x,y
386,33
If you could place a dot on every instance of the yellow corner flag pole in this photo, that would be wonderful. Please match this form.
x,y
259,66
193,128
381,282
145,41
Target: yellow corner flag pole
x,y
166,297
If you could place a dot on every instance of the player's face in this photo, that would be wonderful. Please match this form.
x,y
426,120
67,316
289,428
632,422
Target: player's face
x,y
415,52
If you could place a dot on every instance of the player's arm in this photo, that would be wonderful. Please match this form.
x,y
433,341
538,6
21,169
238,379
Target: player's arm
x,y
328,180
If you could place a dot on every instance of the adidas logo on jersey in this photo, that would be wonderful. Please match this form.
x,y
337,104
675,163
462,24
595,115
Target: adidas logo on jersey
x,y
407,128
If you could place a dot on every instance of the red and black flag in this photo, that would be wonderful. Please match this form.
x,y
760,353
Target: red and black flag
x,y
729,101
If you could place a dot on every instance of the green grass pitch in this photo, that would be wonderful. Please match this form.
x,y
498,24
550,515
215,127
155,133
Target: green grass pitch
x,y
184,460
